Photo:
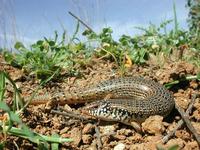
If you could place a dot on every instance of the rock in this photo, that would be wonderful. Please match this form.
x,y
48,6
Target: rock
x,y
119,146
64,130
126,132
193,84
56,122
107,129
87,138
88,128
106,139
196,115
67,108
183,135
196,126
197,104
143,146
120,137
136,138
153,125
182,102
75,134
92,147
157,138
137,146
174,142
191,146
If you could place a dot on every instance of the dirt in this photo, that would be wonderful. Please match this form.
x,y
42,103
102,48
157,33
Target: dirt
x,y
115,136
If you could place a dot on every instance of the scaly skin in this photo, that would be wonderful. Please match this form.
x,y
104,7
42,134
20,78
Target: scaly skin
x,y
122,99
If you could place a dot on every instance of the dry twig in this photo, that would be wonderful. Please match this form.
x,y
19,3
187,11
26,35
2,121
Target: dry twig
x,y
184,116
99,142
81,21
71,114
188,123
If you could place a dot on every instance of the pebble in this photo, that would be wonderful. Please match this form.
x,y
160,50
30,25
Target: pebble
x,y
88,128
64,130
107,129
154,125
119,146
191,146
196,126
126,132
120,137
174,142
183,135
87,138
75,134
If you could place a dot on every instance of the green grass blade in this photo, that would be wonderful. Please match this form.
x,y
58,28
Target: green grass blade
x,y
2,145
35,137
4,107
55,146
174,147
2,85
75,33
18,103
170,84
175,19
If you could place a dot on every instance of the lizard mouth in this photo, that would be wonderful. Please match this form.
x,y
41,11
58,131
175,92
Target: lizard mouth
x,y
97,108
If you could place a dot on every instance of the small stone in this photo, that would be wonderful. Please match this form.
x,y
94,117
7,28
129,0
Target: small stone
x,y
88,128
64,130
193,84
137,146
182,102
143,146
128,132
92,147
154,125
197,104
157,138
119,146
120,137
108,129
174,142
87,139
196,114
136,138
196,126
183,134
65,135
106,139
75,134
67,107
191,146
56,122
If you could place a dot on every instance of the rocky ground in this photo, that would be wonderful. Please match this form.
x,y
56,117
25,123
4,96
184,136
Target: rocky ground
x,y
111,135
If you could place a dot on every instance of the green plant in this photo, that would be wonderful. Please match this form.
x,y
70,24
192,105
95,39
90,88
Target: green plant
x,y
194,22
115,50
154,40
173,147
47,57
11,119
170,84
194,15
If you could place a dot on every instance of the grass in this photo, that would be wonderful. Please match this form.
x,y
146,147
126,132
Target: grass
x,y
170,84
50,56
47,57
11,124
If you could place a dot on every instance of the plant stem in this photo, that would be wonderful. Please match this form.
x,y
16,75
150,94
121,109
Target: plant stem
x,y
168,85
20,132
